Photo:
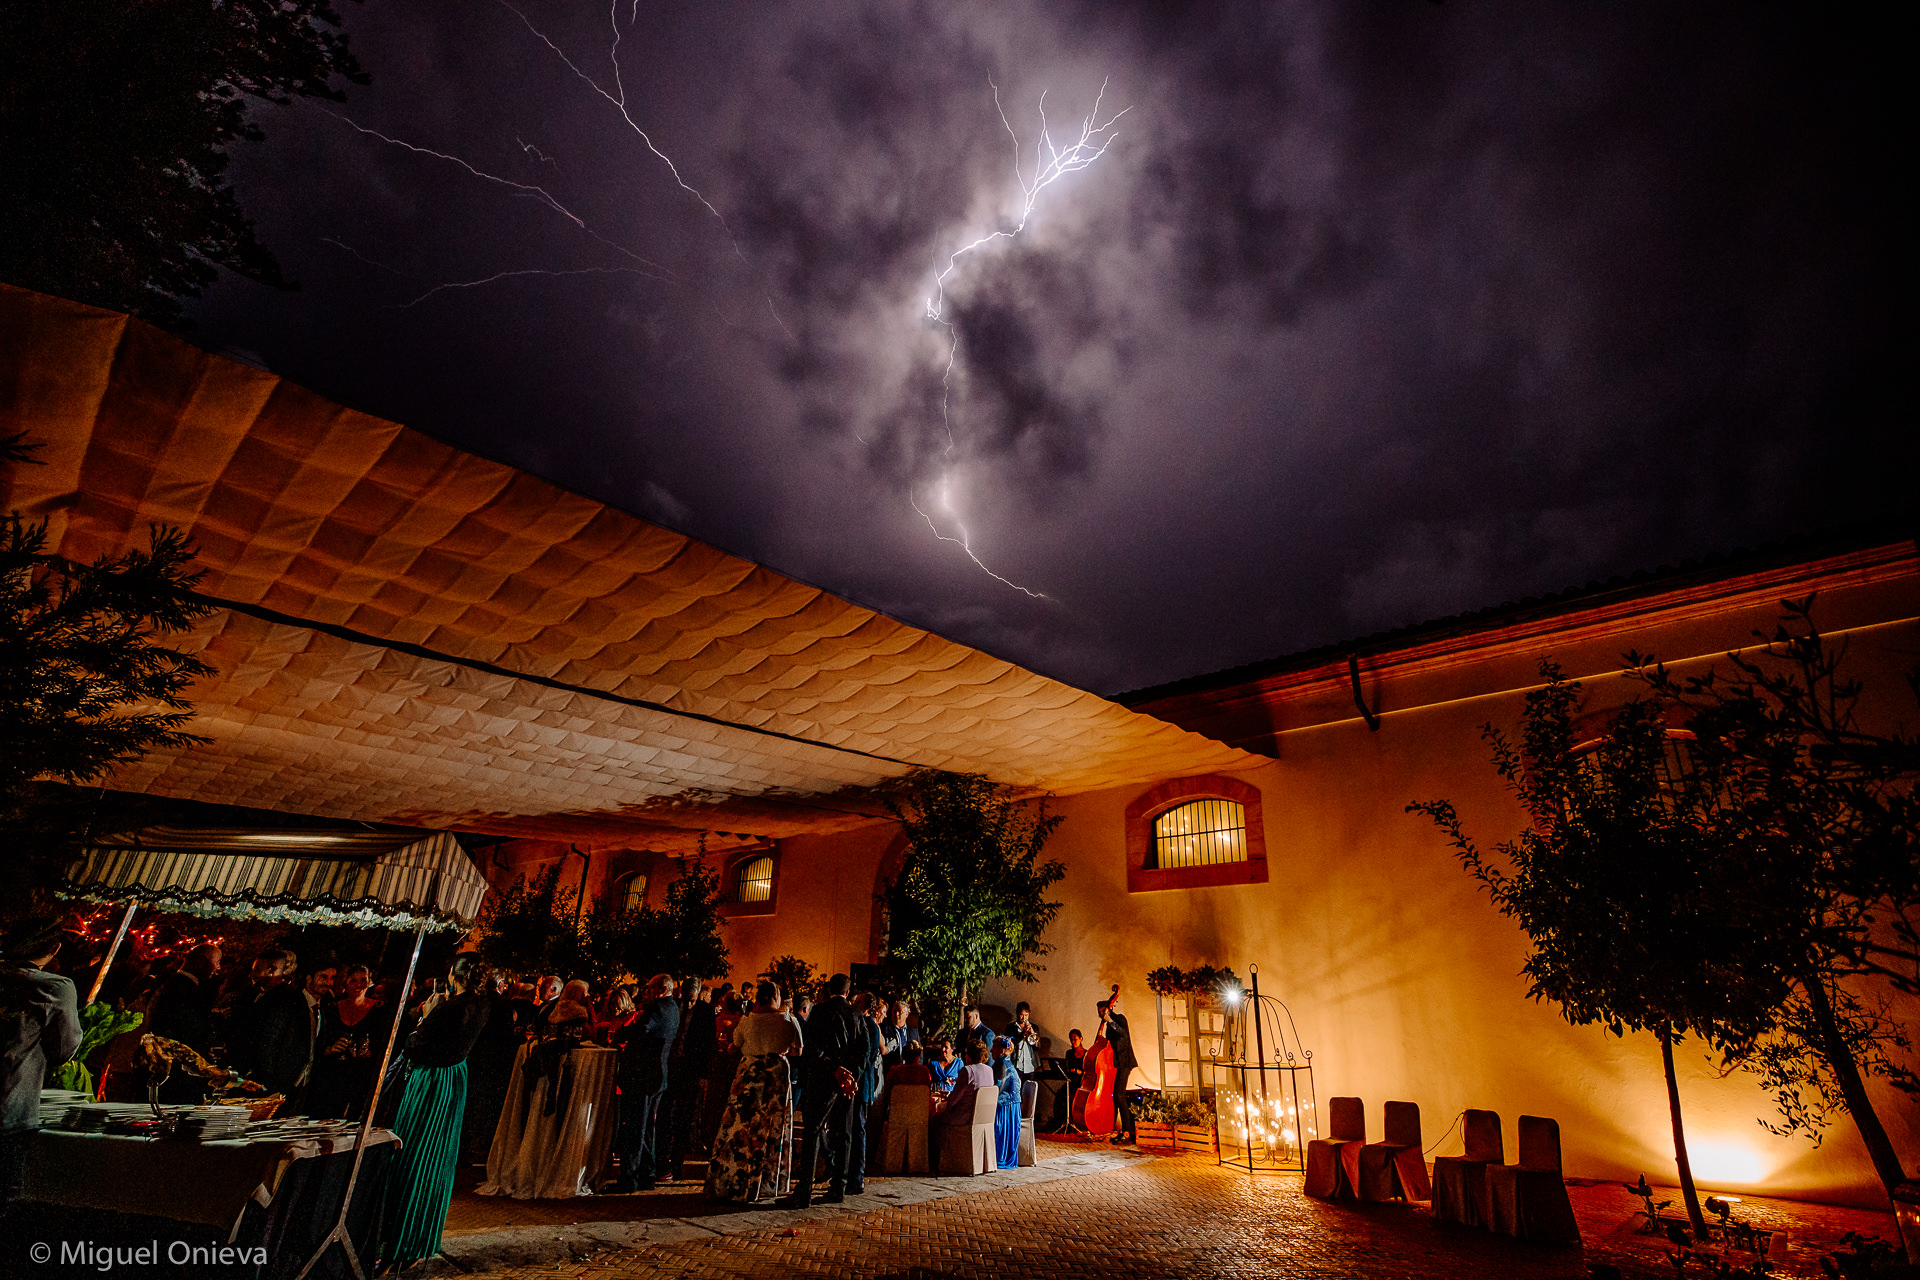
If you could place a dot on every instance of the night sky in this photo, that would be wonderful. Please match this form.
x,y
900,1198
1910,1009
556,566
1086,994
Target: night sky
x,y
1369,312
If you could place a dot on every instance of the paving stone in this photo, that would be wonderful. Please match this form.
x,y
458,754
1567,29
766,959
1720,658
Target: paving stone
x,y
1095,1215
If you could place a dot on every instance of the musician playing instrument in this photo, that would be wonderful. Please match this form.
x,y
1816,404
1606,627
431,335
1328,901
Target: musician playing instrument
x,y
1113,1028
1093,1101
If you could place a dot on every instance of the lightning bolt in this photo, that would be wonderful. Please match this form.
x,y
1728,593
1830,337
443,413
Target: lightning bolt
x,y
650,269
527,271
963,541
618,99
1052,162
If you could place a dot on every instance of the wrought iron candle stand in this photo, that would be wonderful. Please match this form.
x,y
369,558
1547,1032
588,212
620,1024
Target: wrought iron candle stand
x,y
1264,1108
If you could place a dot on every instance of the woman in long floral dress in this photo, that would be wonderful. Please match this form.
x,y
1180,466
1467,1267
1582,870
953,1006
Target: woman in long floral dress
x,y
751,1160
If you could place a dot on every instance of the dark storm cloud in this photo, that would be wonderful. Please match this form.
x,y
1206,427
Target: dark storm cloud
x,y
1373,311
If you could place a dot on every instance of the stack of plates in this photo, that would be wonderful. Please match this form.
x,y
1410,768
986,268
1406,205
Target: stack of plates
x,y
209,1124
55,1103
91,1117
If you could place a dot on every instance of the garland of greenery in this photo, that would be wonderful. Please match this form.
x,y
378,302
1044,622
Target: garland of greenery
x,y
1169,980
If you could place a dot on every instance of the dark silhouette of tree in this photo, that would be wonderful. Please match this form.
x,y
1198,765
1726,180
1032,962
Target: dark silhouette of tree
x,y
1639,919
1792,780
116,122
86,681
795,977
969,903
533,928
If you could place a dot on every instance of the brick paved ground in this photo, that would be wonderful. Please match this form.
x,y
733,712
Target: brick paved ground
x,y
1183,1216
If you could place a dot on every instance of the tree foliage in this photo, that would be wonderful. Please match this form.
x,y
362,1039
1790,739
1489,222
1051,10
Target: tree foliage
x,y
87,680
534,927
1639,918
1796,782
795,977
969,903
116,123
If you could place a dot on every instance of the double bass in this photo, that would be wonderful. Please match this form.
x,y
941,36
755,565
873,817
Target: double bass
x,y
1093,1101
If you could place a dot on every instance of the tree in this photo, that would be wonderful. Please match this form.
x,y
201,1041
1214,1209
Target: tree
x,y
116,122
969,902
86,682
1639,919
1791,779
525,930
795,977
691,920
534,928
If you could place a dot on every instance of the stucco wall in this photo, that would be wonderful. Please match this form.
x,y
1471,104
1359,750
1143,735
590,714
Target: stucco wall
x,y
1400,975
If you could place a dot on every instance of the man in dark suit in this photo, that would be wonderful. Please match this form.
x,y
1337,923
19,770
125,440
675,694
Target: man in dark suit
x,y
182,1009
835,1040
273,1031
866,1088
39,1030
1120,1040
688,1067
644,1044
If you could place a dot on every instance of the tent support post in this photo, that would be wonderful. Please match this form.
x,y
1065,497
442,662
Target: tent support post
x,y
119,936
339,1233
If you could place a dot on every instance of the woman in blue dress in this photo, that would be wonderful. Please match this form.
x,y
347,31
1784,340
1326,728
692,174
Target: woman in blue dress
x,y
944,1067
1006,1114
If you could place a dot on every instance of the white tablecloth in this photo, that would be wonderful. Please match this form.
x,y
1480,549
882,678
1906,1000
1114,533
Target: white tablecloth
x,y
537,1156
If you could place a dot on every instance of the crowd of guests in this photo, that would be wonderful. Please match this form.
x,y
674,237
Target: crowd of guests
x,y
719,1073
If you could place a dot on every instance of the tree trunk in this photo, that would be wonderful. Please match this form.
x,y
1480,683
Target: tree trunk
x,y
1853,1089
1687,1192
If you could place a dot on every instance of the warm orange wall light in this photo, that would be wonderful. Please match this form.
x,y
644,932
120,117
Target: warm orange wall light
x,y
1727,1162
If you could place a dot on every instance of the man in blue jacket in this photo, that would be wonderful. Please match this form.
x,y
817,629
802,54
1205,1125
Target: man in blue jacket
x,y
644,1045
39,1030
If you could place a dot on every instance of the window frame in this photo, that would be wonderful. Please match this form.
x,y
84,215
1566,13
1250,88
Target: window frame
x,y
1141,813
624,882
730,903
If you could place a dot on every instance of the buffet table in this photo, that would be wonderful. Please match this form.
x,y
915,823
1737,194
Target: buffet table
x,y
555,1136
276,1187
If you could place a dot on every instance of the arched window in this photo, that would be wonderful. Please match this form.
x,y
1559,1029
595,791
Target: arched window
x,y
1195,833
633,891
1200,833
753,880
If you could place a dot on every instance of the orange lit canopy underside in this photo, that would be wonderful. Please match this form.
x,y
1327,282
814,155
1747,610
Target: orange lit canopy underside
x,y
413,634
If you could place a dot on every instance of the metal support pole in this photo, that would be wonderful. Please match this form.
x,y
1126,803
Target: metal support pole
x,y
119,936
1259,1037
339,1233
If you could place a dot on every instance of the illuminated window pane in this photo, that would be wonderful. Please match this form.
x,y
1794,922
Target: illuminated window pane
x,y
753,882
1201,833
635,896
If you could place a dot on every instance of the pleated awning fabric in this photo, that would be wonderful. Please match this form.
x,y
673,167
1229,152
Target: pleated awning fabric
x,y
412,635
372,880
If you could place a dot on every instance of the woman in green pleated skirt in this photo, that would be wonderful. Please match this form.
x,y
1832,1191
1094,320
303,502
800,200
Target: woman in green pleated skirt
x,y
420,1180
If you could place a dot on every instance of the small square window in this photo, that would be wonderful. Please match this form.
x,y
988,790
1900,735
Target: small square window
x,y
753,880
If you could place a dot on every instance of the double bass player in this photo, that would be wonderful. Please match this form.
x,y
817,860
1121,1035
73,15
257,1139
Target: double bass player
x,y
1113,1027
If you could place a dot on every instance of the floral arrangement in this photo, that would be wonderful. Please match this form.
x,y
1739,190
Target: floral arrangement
x,y
1204,981
1181,1108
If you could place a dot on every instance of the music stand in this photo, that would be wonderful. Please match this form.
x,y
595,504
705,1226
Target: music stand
x,y
1066,1082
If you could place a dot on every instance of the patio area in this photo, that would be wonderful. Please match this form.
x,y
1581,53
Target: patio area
x,y
1086,1212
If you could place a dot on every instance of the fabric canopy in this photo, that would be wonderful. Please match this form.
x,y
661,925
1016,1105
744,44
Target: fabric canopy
x,y
406,633
373,880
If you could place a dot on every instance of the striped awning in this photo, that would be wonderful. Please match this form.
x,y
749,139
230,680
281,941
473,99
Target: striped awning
x,y
374,880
